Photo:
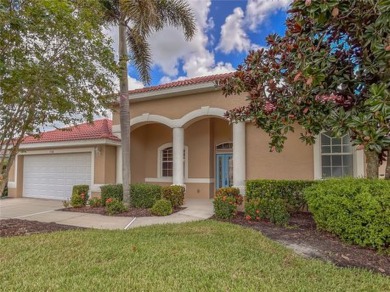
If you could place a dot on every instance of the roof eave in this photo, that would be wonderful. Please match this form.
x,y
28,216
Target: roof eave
x,y
71,143
174,91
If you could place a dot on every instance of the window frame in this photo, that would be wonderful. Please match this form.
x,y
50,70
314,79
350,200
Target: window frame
x,y
358,164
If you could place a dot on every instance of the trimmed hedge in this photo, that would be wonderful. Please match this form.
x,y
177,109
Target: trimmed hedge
x,y
111,191
144,195
274,210
174,194
290,191
357,210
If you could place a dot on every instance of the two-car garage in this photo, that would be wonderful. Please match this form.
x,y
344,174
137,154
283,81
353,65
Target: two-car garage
x,y
52,176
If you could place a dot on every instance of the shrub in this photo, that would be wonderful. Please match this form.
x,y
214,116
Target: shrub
x,y
357,210
79,196
272,209
290,191
66,203
95,202
111,191
162,207
174,194
144,195
226,201
114,206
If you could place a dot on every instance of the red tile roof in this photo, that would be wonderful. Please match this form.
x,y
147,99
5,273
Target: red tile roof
x,y
185,82
100,129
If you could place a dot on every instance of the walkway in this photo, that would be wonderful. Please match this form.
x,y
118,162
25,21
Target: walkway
x,y
46,211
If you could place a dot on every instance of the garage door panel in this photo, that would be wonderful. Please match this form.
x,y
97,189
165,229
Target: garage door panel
x,y
53,176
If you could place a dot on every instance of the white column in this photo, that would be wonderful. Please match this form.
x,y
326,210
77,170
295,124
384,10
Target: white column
x,y
239,165
118,165
178,150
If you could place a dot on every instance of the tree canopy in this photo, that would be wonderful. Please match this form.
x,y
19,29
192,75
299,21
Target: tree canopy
x,y
56,65
329,72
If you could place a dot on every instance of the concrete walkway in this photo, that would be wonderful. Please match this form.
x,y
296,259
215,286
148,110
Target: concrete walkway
x,y
46,211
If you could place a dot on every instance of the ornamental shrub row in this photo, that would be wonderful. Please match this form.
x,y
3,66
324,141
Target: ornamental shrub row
x,y
144,195
357,210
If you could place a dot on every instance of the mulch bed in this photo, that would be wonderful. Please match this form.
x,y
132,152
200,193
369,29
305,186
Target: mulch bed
x,y
132,212
302,236
17,227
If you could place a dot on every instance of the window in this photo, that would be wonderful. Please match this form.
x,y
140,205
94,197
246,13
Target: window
x,y
166,161
225,146
336,156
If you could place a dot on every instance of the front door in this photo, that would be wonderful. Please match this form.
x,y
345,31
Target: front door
x,y
224,171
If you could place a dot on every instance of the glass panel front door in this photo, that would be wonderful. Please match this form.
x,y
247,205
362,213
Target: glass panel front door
x,y
224,170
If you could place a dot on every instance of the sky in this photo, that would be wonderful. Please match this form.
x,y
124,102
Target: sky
x,y
226,31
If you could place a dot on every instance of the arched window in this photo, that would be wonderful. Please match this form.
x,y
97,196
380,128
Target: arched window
x,y
165,160
225,146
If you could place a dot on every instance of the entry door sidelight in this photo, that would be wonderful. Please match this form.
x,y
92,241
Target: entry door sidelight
x,y
224,170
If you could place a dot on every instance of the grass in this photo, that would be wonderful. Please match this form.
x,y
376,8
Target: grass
x,y
198,256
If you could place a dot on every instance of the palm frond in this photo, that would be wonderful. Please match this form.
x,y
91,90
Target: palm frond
x,y
140,53
111,11
140,13
176,13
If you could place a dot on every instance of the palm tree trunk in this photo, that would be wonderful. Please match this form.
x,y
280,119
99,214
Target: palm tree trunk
x,y
124,114
372,164
387,171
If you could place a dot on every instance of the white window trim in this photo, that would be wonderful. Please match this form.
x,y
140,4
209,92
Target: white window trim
x,y
358,160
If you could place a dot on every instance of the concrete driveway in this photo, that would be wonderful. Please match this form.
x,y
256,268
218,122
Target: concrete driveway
x,y
46,211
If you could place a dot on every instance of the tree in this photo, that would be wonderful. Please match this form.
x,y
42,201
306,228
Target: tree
x,y
137,19
56,65
331,71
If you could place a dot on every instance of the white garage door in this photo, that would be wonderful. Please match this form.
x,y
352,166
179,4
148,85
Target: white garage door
x,y
53,176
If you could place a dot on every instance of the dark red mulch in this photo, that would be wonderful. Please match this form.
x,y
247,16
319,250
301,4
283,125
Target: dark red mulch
x,y
132,212
302,231
18,227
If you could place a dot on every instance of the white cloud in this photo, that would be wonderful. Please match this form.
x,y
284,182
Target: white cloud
x,y
134,83
257,11
233,36
170,50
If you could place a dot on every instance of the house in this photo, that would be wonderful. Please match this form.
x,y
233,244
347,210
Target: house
x,y
178,136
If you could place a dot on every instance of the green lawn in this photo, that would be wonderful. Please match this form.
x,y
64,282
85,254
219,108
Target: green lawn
x,y
199,256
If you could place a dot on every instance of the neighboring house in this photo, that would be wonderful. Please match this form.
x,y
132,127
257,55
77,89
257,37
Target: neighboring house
x,y
178,136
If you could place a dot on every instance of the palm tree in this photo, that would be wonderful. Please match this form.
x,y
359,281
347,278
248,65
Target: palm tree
x,y
137,19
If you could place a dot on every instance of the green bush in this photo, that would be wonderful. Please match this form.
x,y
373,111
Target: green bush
x,y
79,196
174,194
114,206
357,210
95,202
111,191
272,209
290,191
226,201
162,207
144,195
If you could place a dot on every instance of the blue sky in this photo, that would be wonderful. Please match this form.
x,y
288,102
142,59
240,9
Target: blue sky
x,y
227,30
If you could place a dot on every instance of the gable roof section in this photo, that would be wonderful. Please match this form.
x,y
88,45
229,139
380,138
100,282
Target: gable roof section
x,y
100,129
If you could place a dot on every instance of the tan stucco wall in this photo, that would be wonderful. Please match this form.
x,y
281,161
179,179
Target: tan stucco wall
x,y
137,154
18,191
294,162
177,107
105,165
